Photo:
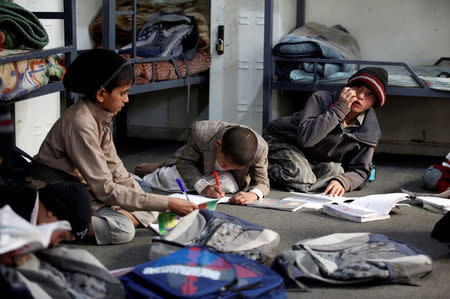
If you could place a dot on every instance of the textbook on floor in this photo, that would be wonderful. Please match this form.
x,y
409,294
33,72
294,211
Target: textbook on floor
x,y
277,204
366,208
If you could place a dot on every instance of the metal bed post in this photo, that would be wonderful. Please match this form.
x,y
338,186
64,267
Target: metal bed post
x,y
267,74
109,25
269,65
70,39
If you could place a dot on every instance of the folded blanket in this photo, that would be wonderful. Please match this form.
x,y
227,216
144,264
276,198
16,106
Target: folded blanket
x,y
318,41
20,28
20,77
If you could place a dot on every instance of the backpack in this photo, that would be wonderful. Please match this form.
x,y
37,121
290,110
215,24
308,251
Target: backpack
x,y
60,272
200,272
221,232
14,167
172,35
351,258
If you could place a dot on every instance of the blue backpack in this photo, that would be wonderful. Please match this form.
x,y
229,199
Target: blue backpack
x,y
200,272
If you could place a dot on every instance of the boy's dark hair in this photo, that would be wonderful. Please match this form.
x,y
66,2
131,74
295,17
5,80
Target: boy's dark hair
x,y
239,144
95,69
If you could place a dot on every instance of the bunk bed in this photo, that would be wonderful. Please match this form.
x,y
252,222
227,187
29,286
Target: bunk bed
x,y
69,51
152,70
409,83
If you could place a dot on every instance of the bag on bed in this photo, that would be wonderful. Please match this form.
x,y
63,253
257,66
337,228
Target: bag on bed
x,y
172,35
200,272
224,233
351,258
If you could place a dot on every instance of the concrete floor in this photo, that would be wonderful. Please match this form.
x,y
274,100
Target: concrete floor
x,y
411,225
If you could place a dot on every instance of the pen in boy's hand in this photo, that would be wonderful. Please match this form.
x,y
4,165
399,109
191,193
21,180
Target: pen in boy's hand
x,y
217,179
182,188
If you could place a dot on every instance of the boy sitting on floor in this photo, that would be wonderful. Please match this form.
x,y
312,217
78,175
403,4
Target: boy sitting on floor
x,y
238,154
330,143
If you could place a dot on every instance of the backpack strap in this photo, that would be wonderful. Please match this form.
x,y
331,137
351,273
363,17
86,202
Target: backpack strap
x,y
188,83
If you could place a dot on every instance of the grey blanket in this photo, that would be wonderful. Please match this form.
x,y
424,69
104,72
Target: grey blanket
x,y
314,40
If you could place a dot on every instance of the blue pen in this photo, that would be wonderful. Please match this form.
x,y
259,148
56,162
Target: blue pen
x,y
182,188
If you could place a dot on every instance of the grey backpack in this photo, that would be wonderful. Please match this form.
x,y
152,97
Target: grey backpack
x,y
351,258
221,232
60,272
170,35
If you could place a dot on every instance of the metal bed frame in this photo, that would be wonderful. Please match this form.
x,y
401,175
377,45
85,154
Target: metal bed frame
x,y
109,40
69,50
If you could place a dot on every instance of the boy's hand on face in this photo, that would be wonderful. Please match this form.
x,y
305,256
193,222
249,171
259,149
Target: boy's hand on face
x,y
213,192
334,188
243,198
181,206
348,96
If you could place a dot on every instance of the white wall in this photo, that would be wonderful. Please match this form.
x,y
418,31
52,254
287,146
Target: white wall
x,y
413,31
86,11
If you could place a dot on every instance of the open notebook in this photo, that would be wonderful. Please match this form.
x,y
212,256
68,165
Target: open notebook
x,y
366,208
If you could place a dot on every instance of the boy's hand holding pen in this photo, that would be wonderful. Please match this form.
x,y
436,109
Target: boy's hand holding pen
x,y
213,191
180,206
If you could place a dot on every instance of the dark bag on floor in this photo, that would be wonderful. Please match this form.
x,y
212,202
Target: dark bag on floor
x,y
351,258
224,233
15,167
441,230
200,272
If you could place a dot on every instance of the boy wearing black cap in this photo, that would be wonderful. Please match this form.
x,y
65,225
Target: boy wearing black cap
x,y
60,201
330,143
79,147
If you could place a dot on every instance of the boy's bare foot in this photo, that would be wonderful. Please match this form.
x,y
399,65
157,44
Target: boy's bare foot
x,y
146,168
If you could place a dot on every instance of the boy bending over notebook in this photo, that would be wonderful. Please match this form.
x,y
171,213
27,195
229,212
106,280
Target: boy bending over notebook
x,y
236,153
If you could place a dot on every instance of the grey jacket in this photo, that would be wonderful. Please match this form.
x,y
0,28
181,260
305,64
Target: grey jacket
x,y
318,132
198,157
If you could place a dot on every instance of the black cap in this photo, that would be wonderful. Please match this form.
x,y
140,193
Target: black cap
x,y
69,201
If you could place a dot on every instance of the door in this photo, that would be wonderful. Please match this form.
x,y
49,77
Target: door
x,y
236,76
